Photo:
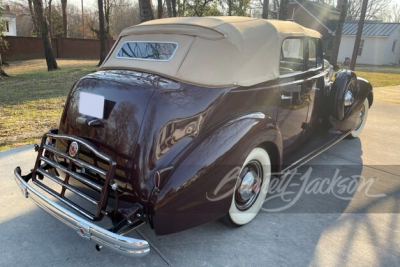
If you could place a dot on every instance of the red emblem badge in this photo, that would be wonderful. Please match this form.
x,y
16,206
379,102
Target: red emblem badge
x,y
73,149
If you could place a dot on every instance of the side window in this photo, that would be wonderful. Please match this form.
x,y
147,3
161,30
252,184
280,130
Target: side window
x,y
315,54
292,59
7,26
320,54
312,53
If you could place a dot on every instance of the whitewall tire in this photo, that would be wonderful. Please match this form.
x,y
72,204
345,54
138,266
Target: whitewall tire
x,y
362,120
251,188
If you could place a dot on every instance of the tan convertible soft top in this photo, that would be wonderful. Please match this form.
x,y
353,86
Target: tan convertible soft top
x,y
212,51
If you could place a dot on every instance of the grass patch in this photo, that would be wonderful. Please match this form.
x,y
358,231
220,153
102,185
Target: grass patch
x,y
381,69
31,100
380,79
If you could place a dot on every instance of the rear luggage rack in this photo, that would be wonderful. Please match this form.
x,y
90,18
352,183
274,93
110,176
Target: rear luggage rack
x,y
46,159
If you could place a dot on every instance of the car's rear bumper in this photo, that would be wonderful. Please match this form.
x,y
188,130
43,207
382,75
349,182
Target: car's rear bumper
x,y
86,229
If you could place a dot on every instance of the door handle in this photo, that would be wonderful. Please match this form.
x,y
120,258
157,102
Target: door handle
x,y
286,97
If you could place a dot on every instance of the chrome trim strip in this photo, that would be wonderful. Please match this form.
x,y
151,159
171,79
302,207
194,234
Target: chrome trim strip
x,y
300,162
293,82
276,86
125,245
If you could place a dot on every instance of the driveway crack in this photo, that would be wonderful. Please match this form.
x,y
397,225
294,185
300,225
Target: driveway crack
x,y
162,256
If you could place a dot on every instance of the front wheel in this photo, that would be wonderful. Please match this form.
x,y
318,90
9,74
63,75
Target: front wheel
x,y
362,120
251,188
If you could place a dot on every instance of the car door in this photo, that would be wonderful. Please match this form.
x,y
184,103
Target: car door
x,y
294,92
315,84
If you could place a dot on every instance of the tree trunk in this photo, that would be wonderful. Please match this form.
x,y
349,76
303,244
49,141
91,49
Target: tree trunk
x,y
359,33
48,51
283,10
230,7
173,3
146,10
49,19
339,4
265,9
183,9
65,18
107,13
179,7
34,17
169,8
160,9
102,34
2,73
338,33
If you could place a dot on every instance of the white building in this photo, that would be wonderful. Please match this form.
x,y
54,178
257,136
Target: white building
x,y
379,43
9,21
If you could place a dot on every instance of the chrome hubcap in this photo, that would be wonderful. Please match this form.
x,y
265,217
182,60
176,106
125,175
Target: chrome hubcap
x,y
348,98
250,185
360,117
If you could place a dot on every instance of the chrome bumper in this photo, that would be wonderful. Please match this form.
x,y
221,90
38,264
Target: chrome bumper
x,y
125,245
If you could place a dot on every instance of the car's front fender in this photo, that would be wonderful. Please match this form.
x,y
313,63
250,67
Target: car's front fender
x,y
201,185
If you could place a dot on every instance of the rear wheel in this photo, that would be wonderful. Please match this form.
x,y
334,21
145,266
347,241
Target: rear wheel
x,y
251,188
362,120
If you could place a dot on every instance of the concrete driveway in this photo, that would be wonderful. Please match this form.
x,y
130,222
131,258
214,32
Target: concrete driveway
x,y
318,230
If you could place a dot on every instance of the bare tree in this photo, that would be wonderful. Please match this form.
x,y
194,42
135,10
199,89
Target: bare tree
x,y
182,8
65,17
200,8
124,14
173,3
146,10
283,10
108,7
390,14
394,14
160,9
230,4
265,9
169,8
338,33
48,51
33,16
3,45
374,9
102,33
275,13
49,19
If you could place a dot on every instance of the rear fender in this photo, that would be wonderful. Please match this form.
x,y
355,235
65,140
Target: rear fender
x,y
201,185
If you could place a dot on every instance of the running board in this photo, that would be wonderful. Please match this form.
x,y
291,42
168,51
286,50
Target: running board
x,y
317,144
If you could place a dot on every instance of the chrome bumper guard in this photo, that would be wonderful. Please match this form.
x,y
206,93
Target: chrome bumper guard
x,y
125,245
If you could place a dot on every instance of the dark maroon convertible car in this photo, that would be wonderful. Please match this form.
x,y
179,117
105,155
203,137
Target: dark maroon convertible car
x,y
185,122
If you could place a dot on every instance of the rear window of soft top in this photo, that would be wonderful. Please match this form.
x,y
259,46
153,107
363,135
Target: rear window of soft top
x,y
142,50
